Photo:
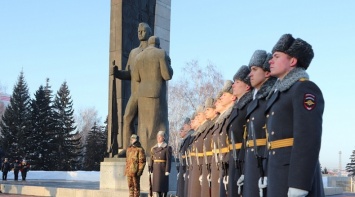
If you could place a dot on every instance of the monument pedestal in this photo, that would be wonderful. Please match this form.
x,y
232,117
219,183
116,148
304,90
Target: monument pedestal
x,y
112,175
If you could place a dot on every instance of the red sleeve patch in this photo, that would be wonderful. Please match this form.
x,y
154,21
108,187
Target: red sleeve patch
x,y
309,102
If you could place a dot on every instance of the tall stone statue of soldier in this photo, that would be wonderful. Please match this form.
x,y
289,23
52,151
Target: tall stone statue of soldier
x,y
144,32
152,70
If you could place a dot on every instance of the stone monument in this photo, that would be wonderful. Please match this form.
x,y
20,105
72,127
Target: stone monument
x,y
125,17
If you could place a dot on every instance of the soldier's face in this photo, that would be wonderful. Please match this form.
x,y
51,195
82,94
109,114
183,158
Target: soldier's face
x,y
239,88
201,117
160,138
210,113
281,64
258,76
227,98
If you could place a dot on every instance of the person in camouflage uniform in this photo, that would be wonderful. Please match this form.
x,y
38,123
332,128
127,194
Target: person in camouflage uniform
x,y
135,164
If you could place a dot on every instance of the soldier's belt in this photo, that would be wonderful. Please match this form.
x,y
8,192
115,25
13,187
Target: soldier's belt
x,y
221,150
259,142
159,161
237,146
280,143
209,153
198,154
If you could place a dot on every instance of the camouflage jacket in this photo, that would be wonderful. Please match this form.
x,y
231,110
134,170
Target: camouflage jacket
x,y
135,160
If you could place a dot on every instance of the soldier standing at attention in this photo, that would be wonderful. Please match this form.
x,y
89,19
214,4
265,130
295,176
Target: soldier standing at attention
x,y
219,142
135,163
262,83
294,114
236,127
160,164
185,135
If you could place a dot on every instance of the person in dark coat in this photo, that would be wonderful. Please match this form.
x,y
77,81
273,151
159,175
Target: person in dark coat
x,y
135,163
16,166
160,164
219,142
262,83
5,168
294,114
236,127
25,167
185,135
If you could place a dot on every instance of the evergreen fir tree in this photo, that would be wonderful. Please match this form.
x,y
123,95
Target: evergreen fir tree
x,y
67,141
95,148
15,126
42,138
350,167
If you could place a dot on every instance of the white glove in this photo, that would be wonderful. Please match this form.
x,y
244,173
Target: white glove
x,y
166,173
262,184
294,192
240,181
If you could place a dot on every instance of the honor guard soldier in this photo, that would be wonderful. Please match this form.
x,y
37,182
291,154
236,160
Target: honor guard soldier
x,y
160,163
188,156
294,123
212,115
255,149
219,142
236,128
185,135
196,153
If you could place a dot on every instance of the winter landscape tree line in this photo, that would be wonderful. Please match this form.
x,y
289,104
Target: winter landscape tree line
x,y
43,131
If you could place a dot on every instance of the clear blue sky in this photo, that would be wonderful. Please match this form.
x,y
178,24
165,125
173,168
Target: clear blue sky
x,y
68,41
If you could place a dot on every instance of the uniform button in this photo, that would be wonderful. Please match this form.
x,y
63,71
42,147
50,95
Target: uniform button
x,y
272,133
252,150
272,113
252,118
273,152
248,120
267,116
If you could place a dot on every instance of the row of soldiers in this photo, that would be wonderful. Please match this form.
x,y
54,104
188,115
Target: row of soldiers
x,y
261,135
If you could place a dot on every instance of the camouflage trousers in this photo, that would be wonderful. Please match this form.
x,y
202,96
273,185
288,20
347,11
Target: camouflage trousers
x,y
134,186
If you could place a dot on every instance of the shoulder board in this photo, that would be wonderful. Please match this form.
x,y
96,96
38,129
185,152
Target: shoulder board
x,y
303,79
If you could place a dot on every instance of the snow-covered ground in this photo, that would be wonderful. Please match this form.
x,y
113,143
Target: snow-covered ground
x,y
62,175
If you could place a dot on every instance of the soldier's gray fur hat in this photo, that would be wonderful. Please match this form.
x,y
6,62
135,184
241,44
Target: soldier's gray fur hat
x,y
187,121
260,59
243,75
297,48
161,133
209,103
199,109
219,94
227,87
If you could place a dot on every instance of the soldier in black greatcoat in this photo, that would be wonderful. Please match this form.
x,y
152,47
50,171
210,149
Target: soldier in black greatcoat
x,y
236,127
294,123
262,83
219,142
160,164
185,135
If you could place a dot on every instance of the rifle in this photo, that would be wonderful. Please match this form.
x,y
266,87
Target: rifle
x,y
114,118
224,167
258,157
208,168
